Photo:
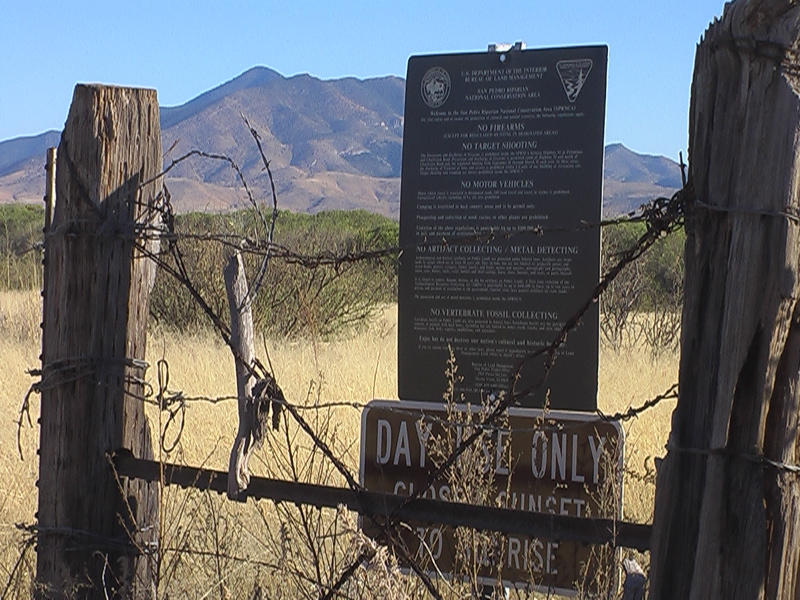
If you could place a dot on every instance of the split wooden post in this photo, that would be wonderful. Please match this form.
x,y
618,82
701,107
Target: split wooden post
x,y
727,512
50,188
97,536
243,350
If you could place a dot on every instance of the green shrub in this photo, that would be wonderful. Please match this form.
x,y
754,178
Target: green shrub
x,y
644,302
294,298
20,241
642,305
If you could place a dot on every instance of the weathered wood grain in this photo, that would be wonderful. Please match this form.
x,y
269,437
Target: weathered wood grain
x,y
92,528
50,188
726,523
244,357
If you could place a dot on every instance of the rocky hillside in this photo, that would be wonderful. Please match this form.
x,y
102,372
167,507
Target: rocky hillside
x,y
332,144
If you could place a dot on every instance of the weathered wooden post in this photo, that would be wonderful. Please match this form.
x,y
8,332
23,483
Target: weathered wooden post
x,y
96,535
244,359
727,515
50,188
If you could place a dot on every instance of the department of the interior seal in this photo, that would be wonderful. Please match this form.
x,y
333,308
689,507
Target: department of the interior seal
x,y
435,87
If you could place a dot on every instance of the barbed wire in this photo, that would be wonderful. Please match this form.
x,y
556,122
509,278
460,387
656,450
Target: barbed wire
x,y
265,250
28,543
166,398
630,413
257,370
660,217
758,459
664,217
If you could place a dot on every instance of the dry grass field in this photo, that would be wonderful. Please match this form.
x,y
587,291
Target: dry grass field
x,y
205,537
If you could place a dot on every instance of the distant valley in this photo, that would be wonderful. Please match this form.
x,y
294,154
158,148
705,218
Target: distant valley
x,y
332,144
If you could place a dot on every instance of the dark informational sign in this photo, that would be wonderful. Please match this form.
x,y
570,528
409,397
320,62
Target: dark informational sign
x,y
565,463
502,173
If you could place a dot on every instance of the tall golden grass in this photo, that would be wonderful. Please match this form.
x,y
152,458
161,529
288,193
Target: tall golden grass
x,y
351,369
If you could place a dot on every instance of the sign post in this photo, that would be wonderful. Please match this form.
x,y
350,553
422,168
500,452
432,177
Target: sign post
x,y
564,463
502,172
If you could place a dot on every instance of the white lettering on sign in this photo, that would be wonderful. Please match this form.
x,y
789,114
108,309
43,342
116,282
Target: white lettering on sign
x,y
550,463
596,453
500,468
383,447
538,472
532,555
435,542
554,455
434,492
403,448
558,456
540,503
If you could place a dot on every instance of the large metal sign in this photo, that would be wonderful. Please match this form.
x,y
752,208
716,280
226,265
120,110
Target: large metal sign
x,y
547,462
502,170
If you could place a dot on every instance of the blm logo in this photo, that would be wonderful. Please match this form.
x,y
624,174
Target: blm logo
x,y
435,87
573,74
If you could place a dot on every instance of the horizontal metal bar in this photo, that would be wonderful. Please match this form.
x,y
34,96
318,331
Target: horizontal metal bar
x,y
483,518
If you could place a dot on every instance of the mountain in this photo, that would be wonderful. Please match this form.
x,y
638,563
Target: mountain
x,y
631,179
22,162
331,144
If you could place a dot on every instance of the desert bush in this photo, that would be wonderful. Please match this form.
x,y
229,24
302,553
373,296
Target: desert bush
x,y
643,304
20,236
293,300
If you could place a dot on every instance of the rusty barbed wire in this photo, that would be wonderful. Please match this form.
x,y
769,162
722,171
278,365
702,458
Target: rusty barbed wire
x,y
258,371
167,233
173,396
661,216
29,543
759,459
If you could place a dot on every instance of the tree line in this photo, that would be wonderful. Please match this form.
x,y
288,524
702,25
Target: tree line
x,y
642,306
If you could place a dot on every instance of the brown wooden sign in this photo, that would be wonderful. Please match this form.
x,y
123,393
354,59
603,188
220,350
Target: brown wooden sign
x,y
546,462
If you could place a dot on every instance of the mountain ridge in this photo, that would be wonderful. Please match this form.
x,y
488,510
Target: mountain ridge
x,y
331,144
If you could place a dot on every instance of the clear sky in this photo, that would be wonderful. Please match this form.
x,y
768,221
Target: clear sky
x,y
185,47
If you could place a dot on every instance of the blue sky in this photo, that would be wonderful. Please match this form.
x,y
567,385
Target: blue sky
x,y
185,47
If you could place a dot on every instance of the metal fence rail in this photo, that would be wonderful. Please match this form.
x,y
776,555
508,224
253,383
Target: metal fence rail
x,y
484,518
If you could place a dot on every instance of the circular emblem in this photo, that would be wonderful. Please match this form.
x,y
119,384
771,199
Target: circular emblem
x,y
435,87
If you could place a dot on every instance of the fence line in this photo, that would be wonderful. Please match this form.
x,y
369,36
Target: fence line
x,y
392,506
661,216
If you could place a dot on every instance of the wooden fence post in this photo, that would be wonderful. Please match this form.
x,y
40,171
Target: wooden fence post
x,y
727,513
97,536
50,188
